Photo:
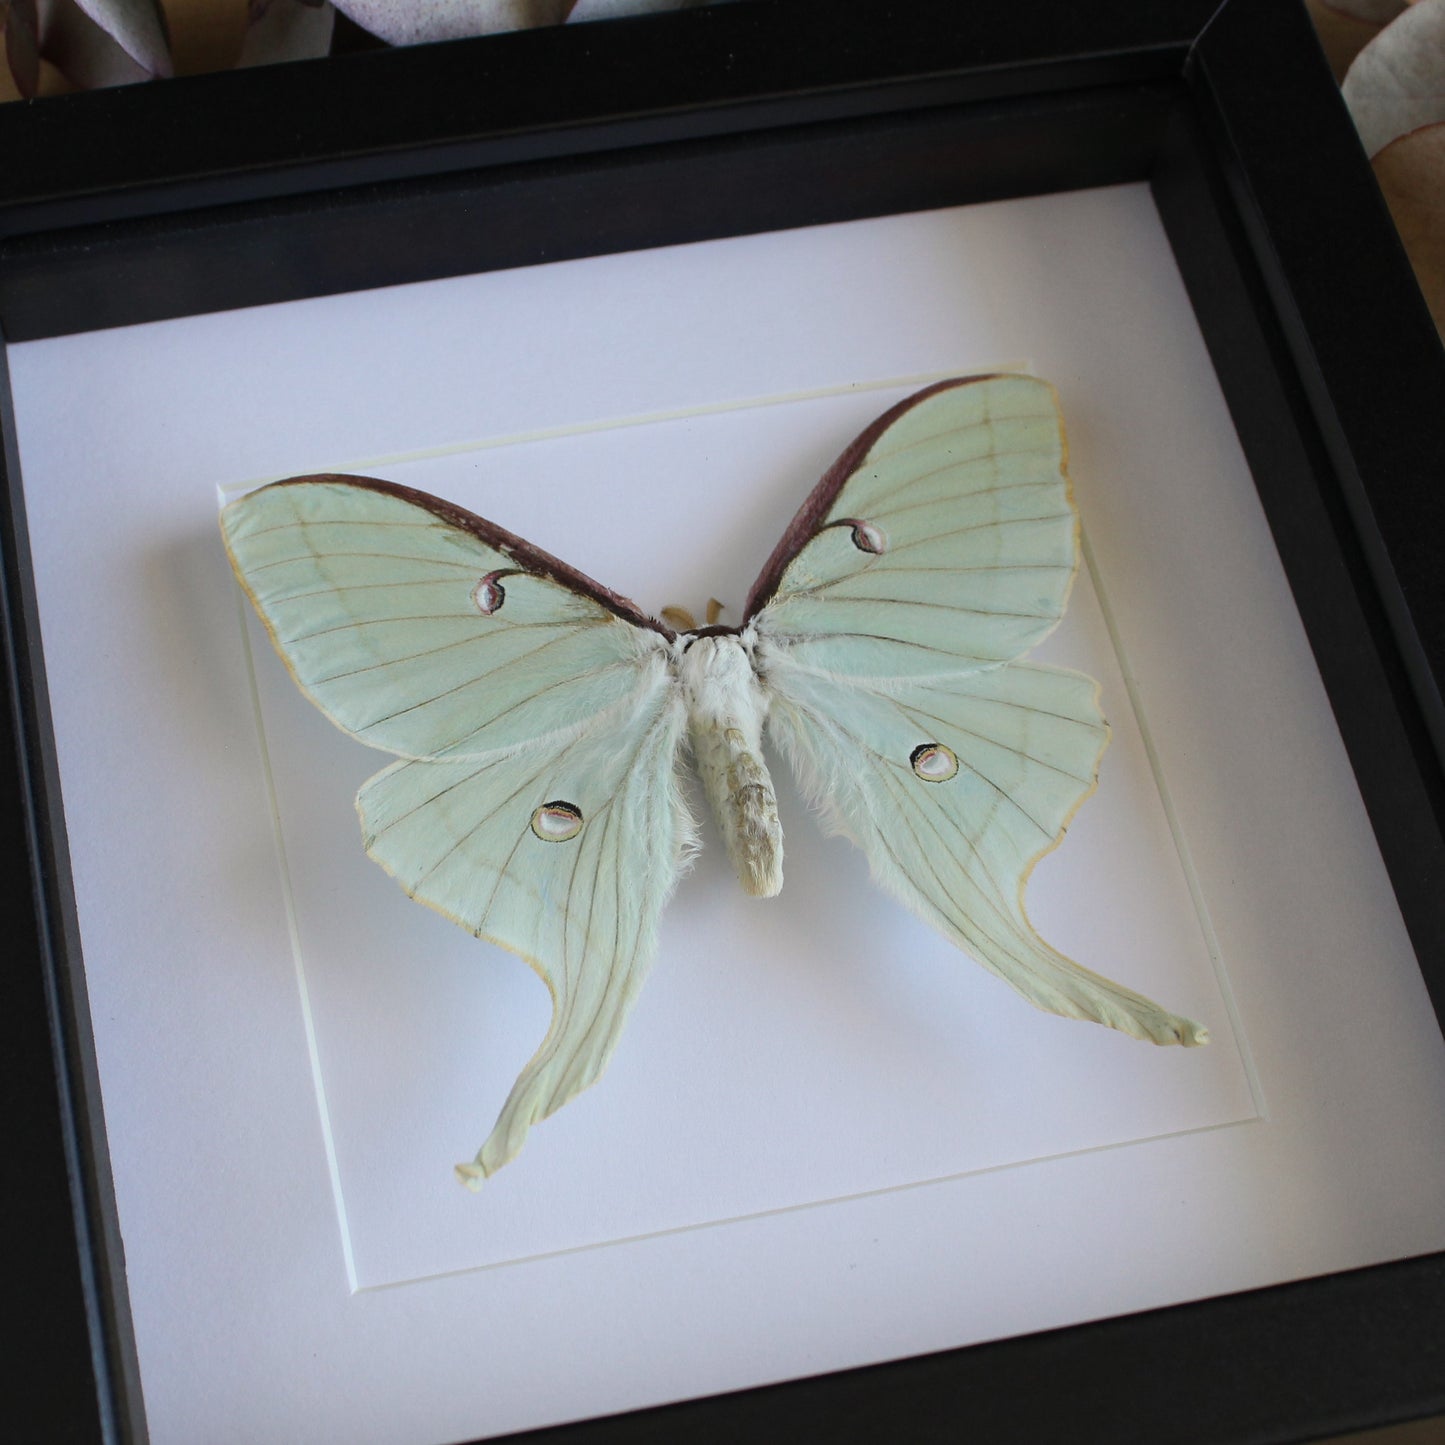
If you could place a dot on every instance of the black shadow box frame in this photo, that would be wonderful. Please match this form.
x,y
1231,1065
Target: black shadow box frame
x,y
393,166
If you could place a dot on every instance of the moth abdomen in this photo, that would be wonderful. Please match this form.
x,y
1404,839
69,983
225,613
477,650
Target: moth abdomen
x,y
752,828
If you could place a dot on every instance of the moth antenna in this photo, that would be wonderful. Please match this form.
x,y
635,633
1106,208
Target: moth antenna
x,y
679,619
715,609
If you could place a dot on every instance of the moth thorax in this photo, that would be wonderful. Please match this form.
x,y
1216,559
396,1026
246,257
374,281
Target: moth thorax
x,y
725,709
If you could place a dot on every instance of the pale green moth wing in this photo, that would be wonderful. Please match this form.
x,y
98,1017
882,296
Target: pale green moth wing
x,y
538,725
422,629
563,851
954,788
944,538
940,546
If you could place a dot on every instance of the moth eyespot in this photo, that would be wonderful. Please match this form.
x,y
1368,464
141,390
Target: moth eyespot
x,y
868,538
489,594
933,762
556,822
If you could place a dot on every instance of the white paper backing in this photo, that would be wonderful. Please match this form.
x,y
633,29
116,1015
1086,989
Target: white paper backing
x,y
826,1138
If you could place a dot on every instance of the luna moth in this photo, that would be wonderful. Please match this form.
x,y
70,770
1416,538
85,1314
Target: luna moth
x,y
538,720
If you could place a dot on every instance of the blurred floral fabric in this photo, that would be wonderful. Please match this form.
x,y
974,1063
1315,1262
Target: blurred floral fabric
x,y
1390,59
1389,56
58,45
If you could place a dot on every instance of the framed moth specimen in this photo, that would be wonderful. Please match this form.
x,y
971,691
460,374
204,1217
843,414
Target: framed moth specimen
x,y
655,218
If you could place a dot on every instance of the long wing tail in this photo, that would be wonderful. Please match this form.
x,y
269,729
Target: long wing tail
x,y
954,788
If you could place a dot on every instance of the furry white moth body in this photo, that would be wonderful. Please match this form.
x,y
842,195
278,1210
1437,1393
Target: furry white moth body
x,y
726,708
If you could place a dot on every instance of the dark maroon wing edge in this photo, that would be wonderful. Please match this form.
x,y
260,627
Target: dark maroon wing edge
x,y
804,526
521,551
